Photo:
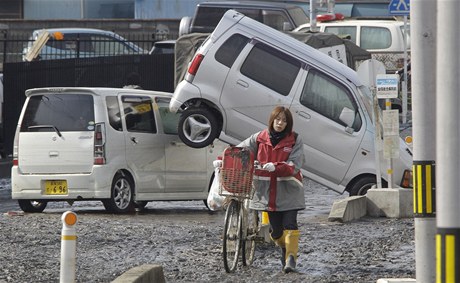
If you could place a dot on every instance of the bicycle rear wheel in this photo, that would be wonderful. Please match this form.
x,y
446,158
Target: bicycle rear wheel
x,y
232,236
249,243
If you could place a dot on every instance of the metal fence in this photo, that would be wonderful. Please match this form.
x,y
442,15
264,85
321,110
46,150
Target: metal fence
x,y
13,47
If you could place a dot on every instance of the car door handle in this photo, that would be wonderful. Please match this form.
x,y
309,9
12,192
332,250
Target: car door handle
x,y
303,114
134,140
242,83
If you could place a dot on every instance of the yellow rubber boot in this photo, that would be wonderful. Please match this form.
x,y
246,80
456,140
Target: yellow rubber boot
x,y
292,248
281,242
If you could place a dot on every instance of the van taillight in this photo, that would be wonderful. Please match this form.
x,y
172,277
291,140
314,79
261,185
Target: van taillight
x,y
195,64
99,144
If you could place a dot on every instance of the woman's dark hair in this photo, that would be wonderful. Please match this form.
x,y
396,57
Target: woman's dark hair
x,y
277,110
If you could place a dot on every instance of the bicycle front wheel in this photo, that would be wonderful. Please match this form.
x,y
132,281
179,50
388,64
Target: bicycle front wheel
x,y
249,243
232,236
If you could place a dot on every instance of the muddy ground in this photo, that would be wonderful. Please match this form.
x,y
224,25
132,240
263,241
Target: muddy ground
x,y
185,239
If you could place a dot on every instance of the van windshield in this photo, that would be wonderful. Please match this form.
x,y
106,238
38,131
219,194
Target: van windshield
x,y
59,112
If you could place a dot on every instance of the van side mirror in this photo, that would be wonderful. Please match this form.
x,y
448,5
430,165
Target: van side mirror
x,y
287,26
347,116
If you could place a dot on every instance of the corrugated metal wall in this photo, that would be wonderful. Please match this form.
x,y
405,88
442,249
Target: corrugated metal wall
x,y
78,9
164,9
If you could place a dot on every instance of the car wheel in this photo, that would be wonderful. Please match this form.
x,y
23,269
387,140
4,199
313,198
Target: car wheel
x,y
198,127
121,200
362,185
34,206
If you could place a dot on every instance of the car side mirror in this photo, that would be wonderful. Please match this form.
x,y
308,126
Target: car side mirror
x,y
287,26
348,117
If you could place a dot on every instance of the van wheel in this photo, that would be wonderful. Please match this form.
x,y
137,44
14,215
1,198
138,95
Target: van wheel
x,y
362,185
198,127
34,206
121,200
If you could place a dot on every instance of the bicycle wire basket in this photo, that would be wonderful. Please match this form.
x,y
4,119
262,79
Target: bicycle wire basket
x,y
236,173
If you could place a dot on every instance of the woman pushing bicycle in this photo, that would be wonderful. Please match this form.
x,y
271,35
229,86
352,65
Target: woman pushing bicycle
x,y
279,190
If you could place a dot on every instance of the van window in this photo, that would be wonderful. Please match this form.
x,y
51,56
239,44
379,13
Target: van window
x,y
139,115
324,95
169,120
271,68
207,18
275,19
230,49
375,38
64,112
113,112
342,31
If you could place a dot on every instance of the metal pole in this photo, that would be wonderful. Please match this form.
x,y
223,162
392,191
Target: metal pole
x,y
313,11
423,48
82,9
448,142
404,84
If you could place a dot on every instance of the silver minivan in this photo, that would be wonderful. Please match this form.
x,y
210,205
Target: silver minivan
x,y
245,68
119,146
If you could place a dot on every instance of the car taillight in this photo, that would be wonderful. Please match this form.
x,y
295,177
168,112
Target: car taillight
x,y
407,179
195,64
99,144
16,147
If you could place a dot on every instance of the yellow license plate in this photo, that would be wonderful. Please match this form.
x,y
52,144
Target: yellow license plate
x,y
55,187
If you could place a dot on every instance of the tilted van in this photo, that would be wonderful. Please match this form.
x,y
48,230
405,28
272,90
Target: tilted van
x,y
245,68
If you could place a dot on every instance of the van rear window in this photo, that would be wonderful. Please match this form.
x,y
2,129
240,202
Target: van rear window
x,y
230,50
65,112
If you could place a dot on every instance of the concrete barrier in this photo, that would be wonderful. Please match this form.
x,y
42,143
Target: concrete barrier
x,y
348,209
147,273
389,202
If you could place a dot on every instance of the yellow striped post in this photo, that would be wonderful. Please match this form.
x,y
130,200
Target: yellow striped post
x,y
68,247
424,188
447,250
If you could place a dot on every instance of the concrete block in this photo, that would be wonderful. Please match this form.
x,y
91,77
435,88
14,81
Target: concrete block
x,y
389,202
397,280
348,209
147,273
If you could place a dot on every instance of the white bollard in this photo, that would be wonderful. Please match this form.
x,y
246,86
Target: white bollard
x,y
68,247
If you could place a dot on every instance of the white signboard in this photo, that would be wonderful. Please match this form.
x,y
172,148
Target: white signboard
x,y
338,52
391,147
387,86
390,133
390,122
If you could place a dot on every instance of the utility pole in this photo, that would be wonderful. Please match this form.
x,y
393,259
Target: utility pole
x,y
448,142
423,50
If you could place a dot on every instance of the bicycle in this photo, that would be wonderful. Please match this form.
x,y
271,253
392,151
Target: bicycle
x,y
241,223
